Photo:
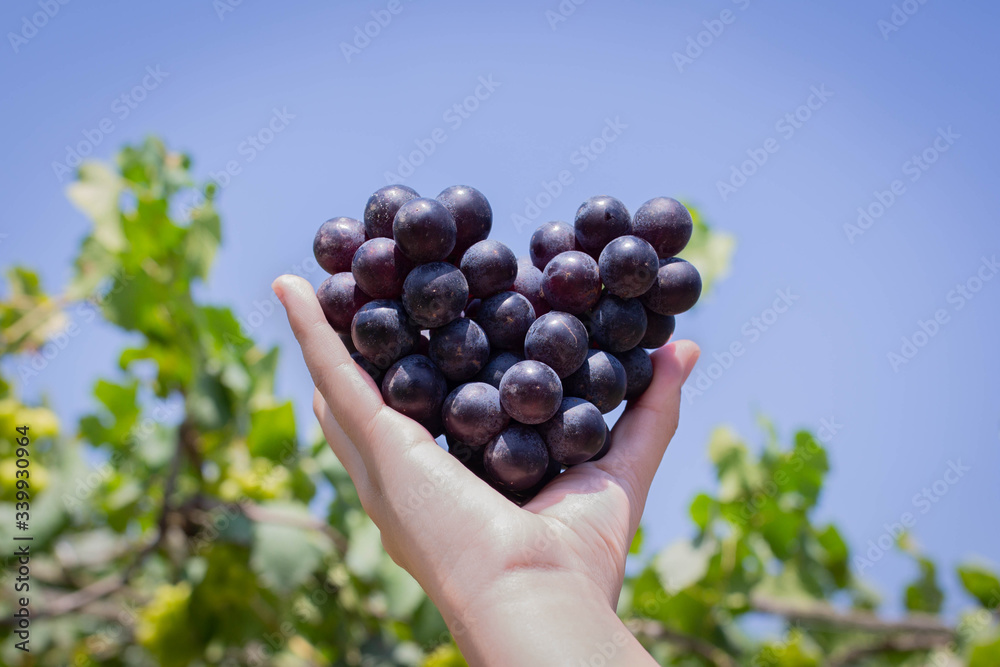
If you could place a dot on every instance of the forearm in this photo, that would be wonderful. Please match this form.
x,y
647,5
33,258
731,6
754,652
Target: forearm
x,y
545,618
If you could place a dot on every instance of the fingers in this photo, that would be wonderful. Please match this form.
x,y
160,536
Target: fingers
x,y
355,404
643,432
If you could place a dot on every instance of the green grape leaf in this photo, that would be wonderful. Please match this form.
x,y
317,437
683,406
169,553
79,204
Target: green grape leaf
x,y
272,431
981,584
924,594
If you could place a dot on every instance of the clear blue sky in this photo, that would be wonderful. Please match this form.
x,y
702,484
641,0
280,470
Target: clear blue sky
x,y
679,131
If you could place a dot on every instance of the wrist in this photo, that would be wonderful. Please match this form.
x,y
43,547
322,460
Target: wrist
x,y
541,617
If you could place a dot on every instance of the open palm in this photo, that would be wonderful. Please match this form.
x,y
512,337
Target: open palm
x,y
457,536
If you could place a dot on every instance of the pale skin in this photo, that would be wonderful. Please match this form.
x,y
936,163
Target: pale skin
x,y
527,586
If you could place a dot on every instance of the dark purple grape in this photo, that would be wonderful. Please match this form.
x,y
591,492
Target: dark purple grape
x,y
490,267
382,207
606,447
472,213
638,372
530,392
383,333
375,372
628,266
524,497
600,380
505,318
558,340
575,433
424,230
380,268
677,288
659,329
336,242
460,349
516,459
470,457
665,223
473,415
498,364
599,220
345,338
340,298
415,387
549,240
529,284
435,294
617,324
572,282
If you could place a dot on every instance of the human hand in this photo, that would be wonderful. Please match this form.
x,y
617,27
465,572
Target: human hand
x,y
517,586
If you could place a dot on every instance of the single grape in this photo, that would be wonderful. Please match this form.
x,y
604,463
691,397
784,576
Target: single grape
x,y
677,288
529,284
435,294
340,298
665,223
659,329
382,207
505,318
530,392
473,216
490,267
383,333
380,268
606,447
336,242
499,363
601,380
424,230
617,324
638,372
628,266
558,340
575,433
460,349
374,371
549,240
572,282
415,387
599,220
473,415
516,459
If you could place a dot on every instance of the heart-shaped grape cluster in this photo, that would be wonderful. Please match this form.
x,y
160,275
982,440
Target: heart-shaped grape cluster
x,y
515,361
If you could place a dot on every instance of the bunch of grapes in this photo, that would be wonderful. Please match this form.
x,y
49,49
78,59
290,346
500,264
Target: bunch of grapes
x,y
515,361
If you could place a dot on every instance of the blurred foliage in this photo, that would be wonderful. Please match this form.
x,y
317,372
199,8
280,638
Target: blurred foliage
x,y
179,523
